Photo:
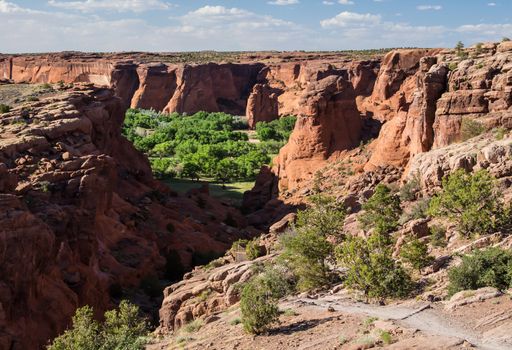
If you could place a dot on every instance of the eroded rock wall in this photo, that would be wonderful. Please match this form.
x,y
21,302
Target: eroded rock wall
x,y
81,215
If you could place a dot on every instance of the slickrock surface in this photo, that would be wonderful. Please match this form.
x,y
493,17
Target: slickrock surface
x,y
81,216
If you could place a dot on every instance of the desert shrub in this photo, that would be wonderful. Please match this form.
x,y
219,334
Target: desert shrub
x,y
415,253
470,200
4,108
193,326
479,48
371,268
418,210
409,190
500,133
259,297
505,39
470,128
307,254
483,268
253,250
324,216
122,329
438,236
382,211
453,66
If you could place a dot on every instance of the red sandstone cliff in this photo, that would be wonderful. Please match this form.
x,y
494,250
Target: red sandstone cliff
x,y
80,215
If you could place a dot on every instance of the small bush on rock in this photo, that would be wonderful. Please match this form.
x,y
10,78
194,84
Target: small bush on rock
x,y
253,250
258,303
382,211
484,268
470,200
470,128
4,108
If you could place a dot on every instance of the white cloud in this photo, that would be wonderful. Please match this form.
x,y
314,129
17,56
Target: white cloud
x,y
345,2
113,5
491,4
345,19
325,2
283,2
429,7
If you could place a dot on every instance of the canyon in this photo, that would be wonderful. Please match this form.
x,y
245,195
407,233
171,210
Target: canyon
x,y
82,216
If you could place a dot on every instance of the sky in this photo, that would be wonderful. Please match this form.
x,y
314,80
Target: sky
x,y
247,25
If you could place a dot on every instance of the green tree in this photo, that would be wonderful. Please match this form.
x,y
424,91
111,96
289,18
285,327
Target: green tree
x,y
325,216
483,268
122,329
191,170
470,200
307,253
258,302
459,48
371,268
382,211
415,253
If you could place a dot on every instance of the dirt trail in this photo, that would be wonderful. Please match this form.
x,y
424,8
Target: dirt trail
x,y
426,317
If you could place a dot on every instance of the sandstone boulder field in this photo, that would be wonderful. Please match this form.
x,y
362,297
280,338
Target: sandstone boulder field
x,y
83,221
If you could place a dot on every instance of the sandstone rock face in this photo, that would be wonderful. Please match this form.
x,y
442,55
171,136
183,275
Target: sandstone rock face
x,y
329,125
262,106
213,88
479,153
204,292
80,214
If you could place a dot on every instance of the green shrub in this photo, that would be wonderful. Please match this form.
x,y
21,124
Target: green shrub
x,y
453,66
371,268
253,250
470,200
438,236
415,253
470,128
381,212
409,190
122,329
500,133
258,303
418,210
484,268
324,216
193,326
4,108
307,254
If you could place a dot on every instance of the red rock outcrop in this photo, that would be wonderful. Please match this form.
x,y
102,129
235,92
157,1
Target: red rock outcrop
x,y
80,215
329,125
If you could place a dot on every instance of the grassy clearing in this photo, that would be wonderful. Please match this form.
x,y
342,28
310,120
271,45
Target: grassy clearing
x,y
232,193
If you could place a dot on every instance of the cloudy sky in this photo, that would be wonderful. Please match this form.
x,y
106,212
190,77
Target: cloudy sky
x,y
190,25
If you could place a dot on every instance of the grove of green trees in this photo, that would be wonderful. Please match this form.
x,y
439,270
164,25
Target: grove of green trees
x,y
210,145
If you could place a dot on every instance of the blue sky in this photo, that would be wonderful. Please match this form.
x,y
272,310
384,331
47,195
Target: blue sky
x,y
189,25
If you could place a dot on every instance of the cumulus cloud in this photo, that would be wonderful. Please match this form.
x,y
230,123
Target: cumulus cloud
x,y
112,5
283,2
345,19
429,7
345,2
